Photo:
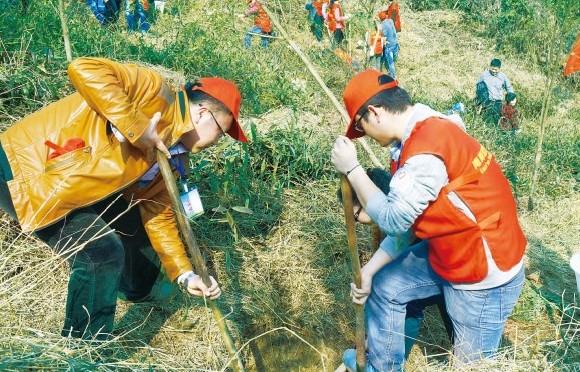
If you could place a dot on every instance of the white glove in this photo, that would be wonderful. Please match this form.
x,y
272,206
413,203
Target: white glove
x,y
343,155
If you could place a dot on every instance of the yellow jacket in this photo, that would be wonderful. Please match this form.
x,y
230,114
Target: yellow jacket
x,y
125,95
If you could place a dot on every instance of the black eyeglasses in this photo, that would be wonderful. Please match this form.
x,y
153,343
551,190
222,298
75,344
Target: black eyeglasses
x,y
218,124
358,125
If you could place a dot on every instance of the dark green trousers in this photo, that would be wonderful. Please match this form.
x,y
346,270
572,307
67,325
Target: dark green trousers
x,y
108,251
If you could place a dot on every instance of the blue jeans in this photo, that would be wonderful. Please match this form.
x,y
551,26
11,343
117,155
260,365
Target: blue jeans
x,y
136,16
478,316
255,30
391,54
105,12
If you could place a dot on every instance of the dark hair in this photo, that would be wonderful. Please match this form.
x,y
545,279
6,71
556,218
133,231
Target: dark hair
x,y
395,100
380,177
510,97
196,96
495,63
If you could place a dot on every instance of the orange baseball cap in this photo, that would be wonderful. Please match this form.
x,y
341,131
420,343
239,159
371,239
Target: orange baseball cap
x,y
358,91
227,93
382,15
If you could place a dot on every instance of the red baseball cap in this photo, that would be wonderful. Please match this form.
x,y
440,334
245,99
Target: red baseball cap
x,y
227,93
358,91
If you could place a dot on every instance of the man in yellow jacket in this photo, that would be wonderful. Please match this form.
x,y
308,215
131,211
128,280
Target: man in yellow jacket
x,y
81,174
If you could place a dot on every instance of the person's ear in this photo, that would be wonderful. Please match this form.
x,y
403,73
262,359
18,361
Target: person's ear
x,y
373,110
196,111
201,108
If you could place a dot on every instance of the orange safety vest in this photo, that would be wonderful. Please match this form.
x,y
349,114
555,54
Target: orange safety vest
x,y
262,20
376,42
332,22
573,62
394,14
318,5
456,250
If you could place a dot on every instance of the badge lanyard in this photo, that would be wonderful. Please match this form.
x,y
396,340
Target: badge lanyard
x,y
189,196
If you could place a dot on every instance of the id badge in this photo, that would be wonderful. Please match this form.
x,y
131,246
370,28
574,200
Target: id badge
x,y
191,201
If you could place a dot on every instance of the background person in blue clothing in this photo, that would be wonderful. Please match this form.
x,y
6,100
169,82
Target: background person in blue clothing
x,y
490,90
105,11
136,15
391,49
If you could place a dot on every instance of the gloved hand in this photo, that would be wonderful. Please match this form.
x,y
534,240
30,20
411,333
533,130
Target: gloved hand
x,y
359,295
194,285
343,155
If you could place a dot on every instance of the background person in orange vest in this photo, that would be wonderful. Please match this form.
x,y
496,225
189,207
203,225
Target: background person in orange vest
x,y
393,13
449,191
336,23
261,26
376,43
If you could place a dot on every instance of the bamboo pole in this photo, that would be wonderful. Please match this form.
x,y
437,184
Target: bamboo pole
x,y
346,197
551,79
355,267
197,258
328,92
65,33
541,133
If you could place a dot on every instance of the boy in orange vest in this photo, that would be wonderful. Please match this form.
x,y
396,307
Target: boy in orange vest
x,y
261,26
447,190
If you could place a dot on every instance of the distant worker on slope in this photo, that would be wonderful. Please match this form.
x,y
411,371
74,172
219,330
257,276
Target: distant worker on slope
x,y
336,23
391,49
136,15
573,61
510,119
394,14
106,12
375,43
262,25
316,16
490,90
